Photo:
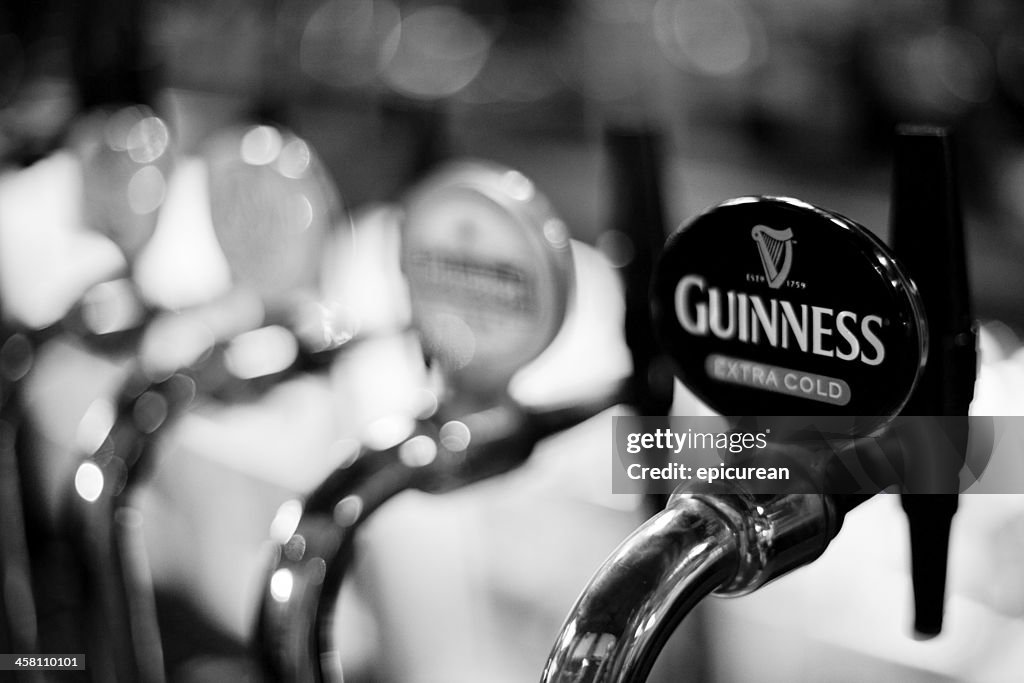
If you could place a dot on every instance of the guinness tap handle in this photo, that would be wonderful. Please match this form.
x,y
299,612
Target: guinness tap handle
x,y
927,235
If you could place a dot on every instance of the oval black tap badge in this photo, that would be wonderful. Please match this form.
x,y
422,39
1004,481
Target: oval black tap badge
x,y
770,306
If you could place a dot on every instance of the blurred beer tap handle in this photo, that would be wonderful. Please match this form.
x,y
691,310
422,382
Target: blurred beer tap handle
x,y
490,273
634,240
123,157
256,333
123,151
927,231
123,143
271,322
635,237
76,225
273,210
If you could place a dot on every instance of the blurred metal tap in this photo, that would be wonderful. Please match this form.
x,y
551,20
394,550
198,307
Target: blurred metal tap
x,y
274,212
489,270
122,154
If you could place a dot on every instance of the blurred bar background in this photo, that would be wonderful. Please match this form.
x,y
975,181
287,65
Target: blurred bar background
x,y
799,89
802,94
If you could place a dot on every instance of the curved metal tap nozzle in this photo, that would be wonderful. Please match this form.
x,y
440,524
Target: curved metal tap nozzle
x,y
440,454
312,563
161,385
307,577
708,540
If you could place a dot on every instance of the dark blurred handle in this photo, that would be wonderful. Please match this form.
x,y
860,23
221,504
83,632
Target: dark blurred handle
x,y
18,617
111,62
637,213
544,423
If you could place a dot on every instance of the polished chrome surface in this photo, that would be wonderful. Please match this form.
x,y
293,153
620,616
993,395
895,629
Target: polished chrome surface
x,y
777,535
653,579
705,542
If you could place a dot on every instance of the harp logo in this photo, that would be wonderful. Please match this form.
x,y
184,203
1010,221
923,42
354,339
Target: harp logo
x,y
775,248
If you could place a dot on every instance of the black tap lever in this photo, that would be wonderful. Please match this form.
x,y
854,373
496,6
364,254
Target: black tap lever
x,y
927,235
637,212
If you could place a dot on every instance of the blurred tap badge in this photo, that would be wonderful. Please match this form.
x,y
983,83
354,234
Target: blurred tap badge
x,y
771,306
489,270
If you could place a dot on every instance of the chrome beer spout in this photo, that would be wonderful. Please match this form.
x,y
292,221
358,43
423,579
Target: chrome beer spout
x,y
490,270
738,318
724,539
708,540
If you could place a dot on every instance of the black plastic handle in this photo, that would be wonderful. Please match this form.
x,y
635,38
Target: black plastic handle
x,y
928,236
